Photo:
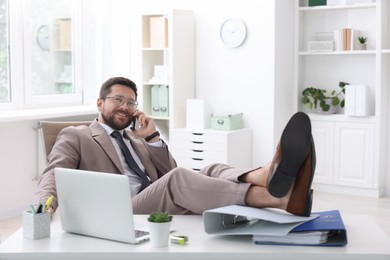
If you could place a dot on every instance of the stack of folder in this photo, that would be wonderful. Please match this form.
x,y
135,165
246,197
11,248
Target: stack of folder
x,y
275,227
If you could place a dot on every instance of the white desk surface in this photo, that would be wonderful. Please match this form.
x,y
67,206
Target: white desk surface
x,y
365,241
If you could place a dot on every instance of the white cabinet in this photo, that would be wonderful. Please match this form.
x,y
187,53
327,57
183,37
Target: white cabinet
x,y
195,150
168,62
350,149
323,134
344,152
353,154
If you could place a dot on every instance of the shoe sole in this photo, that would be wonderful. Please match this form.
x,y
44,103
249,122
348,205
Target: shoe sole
x,y
295,145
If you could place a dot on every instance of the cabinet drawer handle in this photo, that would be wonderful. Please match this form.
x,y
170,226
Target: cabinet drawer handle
x,y
197,159
195,142
197,151
197,133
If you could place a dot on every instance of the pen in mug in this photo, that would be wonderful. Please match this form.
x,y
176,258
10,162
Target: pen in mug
x,y
48,202
41,207
32,209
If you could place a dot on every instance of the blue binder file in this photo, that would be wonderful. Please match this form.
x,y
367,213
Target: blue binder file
x,y
326,230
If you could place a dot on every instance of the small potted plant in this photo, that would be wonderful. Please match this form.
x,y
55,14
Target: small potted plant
x,y
320,101
363,42
159,228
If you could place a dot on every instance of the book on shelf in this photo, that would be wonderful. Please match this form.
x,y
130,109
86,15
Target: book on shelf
x,y
344,39
272,226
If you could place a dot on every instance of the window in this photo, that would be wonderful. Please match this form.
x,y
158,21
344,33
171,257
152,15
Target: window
x,y
57,53
5,95
49,52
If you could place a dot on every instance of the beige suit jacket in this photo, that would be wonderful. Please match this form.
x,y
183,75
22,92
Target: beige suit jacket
x,y
90,148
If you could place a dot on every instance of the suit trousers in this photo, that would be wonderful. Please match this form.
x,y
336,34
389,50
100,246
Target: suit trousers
x,y
182,191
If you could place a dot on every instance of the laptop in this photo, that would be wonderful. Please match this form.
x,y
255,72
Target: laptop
x,y
97,204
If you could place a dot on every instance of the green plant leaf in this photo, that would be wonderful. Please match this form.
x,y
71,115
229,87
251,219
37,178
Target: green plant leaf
x,y
335,101
160,217
305,100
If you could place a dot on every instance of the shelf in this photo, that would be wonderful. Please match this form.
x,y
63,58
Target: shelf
x,y
341,118
350,147
160,118
155,49
64,50
168,66
336,7
368,52
152,83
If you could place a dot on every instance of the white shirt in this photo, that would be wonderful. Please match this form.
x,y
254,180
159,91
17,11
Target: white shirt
x,y
134,179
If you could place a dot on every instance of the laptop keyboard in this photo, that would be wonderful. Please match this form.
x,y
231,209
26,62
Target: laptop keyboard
x,y
140,233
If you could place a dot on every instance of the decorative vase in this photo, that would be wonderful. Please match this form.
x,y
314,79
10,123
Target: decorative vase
x,y
159,233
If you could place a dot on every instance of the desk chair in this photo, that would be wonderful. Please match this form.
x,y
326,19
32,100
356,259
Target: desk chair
x,y
47,135
49,130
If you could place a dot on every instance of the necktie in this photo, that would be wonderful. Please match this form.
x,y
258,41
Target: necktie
x,y
130,160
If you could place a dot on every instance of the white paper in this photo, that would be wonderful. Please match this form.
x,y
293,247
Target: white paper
x,y
262,221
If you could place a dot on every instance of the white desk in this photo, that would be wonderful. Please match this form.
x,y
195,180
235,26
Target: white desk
x,y
366,241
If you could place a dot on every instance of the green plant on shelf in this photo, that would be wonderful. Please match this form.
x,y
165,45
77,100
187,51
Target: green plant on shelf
x,y
362,39
312,97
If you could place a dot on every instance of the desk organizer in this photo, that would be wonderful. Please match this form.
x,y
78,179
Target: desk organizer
x,y
36,226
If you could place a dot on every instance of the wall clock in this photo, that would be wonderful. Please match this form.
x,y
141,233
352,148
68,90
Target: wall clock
x,y
233,32
43,37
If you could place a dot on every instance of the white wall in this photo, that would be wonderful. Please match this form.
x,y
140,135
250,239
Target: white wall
x,y
19,163
255,79
243,79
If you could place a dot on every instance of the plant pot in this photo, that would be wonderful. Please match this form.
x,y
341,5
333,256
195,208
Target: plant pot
x,y
159,233
332,109
363,46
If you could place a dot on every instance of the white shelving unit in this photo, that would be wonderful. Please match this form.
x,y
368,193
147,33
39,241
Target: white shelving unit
x,y
350,150
177,55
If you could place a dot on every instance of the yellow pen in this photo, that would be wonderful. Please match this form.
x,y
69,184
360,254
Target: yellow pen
x,y
48,202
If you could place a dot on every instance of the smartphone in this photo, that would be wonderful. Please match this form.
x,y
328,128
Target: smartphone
x,y
133,123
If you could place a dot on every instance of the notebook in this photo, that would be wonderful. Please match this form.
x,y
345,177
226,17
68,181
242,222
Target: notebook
x,y
98,205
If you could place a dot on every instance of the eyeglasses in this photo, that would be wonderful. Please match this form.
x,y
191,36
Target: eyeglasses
x,y
120,100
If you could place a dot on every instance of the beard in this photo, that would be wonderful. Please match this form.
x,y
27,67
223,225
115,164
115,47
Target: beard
x,y
116,124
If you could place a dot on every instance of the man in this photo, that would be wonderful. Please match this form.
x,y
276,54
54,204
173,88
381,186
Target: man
x,y
158,184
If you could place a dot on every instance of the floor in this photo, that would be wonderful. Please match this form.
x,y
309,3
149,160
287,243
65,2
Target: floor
x,y
377,209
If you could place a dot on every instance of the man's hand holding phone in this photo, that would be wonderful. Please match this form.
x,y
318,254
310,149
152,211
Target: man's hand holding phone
x,y
147,126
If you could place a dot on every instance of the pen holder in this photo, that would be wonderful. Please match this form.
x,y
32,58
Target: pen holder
x,y
36,226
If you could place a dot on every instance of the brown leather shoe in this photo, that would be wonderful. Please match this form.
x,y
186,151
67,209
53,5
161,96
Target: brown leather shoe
x,y
301,197
293,148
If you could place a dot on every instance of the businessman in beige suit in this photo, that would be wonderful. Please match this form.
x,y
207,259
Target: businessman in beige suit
x,y
285,183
